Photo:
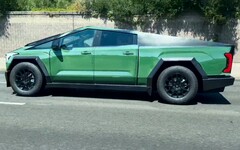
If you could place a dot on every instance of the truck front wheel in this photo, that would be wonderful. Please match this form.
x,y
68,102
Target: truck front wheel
x,y
177,85
26,79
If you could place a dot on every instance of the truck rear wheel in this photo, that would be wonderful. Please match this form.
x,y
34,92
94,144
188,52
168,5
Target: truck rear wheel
x,y
26,79
177,85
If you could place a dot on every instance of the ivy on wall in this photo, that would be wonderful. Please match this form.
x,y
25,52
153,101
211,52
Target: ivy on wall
x,y
216,11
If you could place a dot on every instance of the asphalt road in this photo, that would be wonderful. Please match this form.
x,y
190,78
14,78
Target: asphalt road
x,y
63,119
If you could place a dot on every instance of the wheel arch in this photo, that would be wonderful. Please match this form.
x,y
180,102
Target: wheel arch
x,y
32,59
190,63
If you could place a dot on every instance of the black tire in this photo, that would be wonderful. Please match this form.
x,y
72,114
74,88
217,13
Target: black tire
x,y
26,79
177,85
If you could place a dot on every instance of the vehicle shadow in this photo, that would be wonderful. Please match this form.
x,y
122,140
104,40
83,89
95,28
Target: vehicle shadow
x,y
211,98
103,94
202,98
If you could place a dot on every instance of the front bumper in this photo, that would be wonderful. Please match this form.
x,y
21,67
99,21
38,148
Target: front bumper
x,y
7,79
214,83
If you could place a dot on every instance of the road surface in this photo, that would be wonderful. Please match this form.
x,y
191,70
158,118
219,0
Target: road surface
x,y
62,119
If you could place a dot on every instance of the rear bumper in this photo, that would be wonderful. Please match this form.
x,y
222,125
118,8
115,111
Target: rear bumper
x,y
214,83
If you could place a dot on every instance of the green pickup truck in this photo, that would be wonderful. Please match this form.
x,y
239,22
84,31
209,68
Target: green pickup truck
x,y
101,58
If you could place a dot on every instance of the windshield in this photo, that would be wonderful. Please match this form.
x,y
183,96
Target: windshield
x,y
45,40
48,39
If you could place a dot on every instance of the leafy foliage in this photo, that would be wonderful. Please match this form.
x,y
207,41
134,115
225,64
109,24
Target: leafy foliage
x,y
216,11
6,5
78,6
41,5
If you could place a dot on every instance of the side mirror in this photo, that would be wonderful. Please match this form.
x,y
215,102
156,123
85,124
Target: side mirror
x,y
55,45
64,47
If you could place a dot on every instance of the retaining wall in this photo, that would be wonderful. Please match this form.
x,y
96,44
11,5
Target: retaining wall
x,y
20,28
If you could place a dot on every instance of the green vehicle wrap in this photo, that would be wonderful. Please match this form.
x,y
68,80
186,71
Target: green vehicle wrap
x,y
136,62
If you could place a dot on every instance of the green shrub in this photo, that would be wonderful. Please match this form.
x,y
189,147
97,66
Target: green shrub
x,y
218,11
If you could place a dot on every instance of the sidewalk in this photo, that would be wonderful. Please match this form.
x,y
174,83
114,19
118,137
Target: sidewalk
x,y
235,69
2,65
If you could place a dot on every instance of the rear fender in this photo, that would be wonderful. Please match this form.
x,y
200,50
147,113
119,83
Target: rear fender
x,y
164,63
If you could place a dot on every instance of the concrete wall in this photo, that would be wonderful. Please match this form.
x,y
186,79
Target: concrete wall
x,y
20,28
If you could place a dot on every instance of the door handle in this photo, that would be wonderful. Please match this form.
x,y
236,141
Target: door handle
x,y
86,53
128,53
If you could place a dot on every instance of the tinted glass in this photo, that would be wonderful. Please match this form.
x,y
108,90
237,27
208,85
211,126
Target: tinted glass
x,y
47,45
81,39
45,40
110,38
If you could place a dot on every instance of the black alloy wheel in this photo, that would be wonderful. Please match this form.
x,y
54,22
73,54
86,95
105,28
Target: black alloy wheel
x,y
177,85
26,79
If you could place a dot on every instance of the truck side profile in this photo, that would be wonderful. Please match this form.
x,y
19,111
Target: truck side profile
x,y
93,57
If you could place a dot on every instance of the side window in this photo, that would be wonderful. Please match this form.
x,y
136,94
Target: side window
x,y
81,39
111,38
47,45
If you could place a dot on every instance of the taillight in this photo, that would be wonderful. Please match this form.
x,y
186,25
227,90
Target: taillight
x,y
228,68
